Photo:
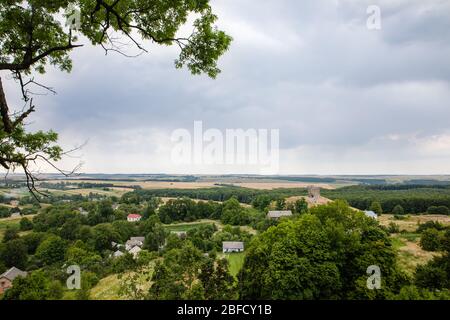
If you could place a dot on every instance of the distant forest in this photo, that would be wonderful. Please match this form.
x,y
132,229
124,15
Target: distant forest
x,y
223,193
414,198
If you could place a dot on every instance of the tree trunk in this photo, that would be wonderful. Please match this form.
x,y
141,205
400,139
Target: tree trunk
x,y
4,110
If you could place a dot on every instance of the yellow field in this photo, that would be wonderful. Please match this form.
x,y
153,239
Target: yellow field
x,y
276,185
321,200
263,185
411,222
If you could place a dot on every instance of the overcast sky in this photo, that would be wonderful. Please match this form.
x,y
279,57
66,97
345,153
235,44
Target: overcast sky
x,y
346,99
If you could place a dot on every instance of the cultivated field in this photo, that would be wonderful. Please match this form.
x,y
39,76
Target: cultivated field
x,y
411,222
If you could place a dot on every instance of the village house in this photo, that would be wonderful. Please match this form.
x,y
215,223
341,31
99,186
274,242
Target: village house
x,y
16,214
115,206
276,214
232,246
8,277
134,242
370,214
14,203
135,251
82,211
134,217
117,254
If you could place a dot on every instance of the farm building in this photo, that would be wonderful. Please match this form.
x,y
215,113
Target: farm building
x,y
134,242
8,277
117,254
16,214
279,214
370,214
14,203
134,217
232,246
135,251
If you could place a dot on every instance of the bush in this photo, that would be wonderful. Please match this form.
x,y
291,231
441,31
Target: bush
x,y
430,225
25,224
430,240
376,207
393,228
398,210
438,210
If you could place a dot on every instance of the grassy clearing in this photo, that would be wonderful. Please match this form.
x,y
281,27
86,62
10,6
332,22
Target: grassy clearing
x,y
410,236
410,254
108,288
397,243
9,222
236,261
411,222
177,227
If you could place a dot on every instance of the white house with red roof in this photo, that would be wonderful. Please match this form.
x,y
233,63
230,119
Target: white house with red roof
x,y
132,217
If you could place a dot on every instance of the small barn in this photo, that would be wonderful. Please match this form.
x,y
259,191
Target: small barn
x,y
276,214
232,246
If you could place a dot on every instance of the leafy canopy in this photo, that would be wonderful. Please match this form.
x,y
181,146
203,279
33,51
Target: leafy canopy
x,y
37,33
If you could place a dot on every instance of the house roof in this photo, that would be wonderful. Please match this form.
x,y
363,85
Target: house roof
x,y
233,245
141,239
370,214
133,215
279,213
135,249
13,273
118,253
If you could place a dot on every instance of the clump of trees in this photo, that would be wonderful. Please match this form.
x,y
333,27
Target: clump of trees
x,y
323,254
376,207
438,210
398,210
435,275
413,198
186,273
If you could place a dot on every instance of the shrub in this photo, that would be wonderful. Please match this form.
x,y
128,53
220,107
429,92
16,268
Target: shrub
x,y
376,207
430,225
438,210
393,228
26,224
398,210
430,240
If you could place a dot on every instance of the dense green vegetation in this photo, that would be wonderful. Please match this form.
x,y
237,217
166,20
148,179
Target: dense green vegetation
x,y
319,253
223,193
412,198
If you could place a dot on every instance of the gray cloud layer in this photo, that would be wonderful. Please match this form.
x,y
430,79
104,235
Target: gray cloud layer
x,y
346,99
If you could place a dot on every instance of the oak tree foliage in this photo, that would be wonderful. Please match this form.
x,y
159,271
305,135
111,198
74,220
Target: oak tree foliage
x,y
36,34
